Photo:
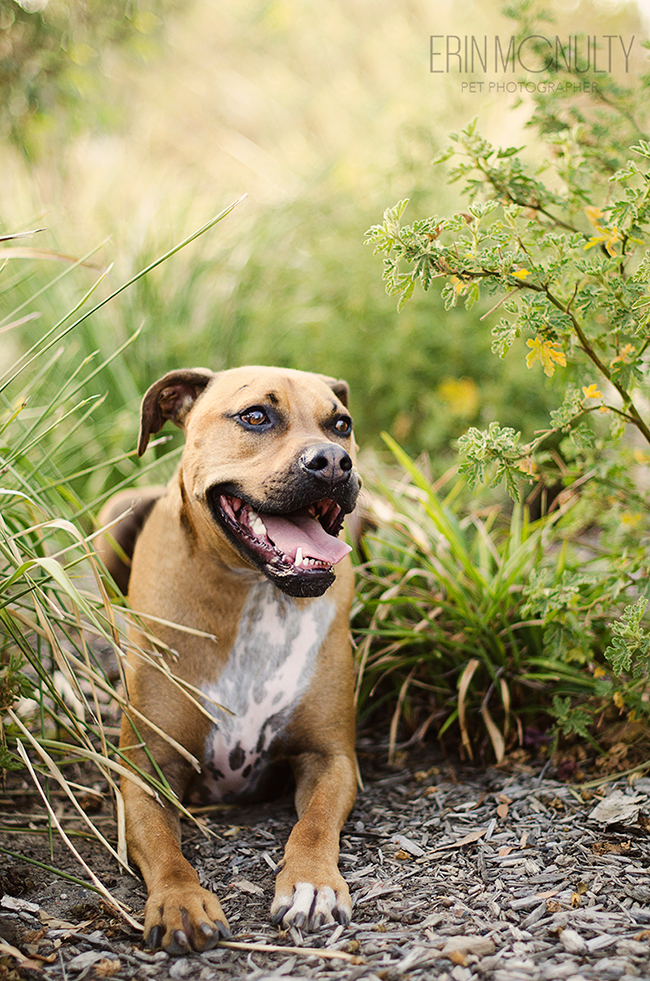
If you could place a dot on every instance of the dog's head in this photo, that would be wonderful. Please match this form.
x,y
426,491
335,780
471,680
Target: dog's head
x,y
268,464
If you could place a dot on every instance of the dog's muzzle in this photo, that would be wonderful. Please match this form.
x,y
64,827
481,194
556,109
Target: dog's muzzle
x,y
292,537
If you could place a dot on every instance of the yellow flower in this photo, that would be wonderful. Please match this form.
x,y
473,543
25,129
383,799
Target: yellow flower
x,y
591,392
618,699
593,214
544,351
528,466
606,236
521,273
460,395
623,357
630,519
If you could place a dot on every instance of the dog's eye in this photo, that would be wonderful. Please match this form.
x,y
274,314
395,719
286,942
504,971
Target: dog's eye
x,y
256,416
343,426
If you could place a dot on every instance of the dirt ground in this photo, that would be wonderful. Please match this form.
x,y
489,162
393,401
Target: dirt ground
x,y
455,874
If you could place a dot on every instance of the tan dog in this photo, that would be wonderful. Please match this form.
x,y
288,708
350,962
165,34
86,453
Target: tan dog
x,y
241,546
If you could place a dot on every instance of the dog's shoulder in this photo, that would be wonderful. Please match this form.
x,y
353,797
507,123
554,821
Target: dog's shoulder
x,y
123,517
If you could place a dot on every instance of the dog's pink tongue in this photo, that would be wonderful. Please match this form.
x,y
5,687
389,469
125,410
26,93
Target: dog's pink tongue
x,y
303,531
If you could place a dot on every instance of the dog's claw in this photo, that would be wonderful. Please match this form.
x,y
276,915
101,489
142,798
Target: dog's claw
x,y
210,935
213,934
310,907
154,939
180,944
341,915
279,915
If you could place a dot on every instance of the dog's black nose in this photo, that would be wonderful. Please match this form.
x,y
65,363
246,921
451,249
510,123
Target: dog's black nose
x,y
328,462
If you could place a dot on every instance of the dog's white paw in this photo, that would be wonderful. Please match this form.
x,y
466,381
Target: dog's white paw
x,y
311,907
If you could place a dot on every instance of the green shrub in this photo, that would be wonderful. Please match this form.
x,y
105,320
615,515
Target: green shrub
x,y
560,249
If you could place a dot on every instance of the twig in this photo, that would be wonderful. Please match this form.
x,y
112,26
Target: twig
x,y
304,951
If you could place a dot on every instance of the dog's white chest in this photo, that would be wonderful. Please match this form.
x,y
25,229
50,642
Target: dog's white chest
x,y
268,672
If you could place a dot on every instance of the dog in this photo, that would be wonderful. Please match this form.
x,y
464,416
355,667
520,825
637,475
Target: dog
x,y
232,569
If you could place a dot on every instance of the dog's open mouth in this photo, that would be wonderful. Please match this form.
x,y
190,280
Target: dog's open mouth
x,y
296,547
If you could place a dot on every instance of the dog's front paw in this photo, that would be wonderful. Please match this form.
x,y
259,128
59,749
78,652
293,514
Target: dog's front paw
x,y
308,906
184,918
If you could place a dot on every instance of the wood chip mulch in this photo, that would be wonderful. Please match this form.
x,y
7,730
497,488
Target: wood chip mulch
x,y
507,876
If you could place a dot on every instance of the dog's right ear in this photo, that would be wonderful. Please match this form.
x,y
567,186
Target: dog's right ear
x,y
171,397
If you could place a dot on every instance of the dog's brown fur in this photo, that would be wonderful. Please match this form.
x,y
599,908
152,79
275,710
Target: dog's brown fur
x,y
187,570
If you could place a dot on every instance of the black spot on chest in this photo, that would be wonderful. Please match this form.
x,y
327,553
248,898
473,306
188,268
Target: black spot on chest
x,y
237,758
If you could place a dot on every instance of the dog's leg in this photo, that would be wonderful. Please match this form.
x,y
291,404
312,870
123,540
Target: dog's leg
x,y
180,915
310,891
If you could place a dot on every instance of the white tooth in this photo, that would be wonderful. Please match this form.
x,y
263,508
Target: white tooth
x,y
257,525
298,559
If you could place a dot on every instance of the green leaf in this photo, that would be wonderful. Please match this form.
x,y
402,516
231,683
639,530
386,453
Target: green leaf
x,y
569,411
570,719
504,333
630,647
583,437
407,293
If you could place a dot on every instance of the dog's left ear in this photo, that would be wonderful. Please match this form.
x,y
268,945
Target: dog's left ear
x,y
171,397
340,388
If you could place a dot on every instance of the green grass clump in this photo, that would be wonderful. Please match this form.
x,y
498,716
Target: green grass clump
x,y
61,638
499,630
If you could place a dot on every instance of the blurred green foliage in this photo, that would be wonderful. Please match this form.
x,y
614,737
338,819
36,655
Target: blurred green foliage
x,y
301,299
289,285
294,292
55,62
